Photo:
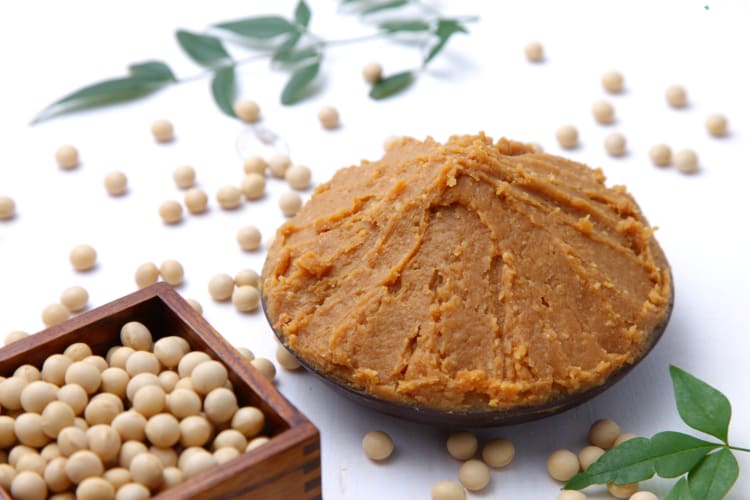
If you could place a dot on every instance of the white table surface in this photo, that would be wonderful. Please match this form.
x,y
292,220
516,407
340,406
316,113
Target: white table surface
x,y
481,82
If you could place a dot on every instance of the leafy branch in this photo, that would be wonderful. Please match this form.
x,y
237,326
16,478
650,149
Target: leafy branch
x,y
707,469
287,42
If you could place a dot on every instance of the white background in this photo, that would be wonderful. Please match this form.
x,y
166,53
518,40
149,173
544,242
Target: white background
x,y
481,82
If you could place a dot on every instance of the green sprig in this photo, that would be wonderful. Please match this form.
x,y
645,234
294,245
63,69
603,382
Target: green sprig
x,y
288,42
707,470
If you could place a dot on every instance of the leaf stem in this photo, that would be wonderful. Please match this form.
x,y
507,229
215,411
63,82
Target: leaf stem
x,y
737,448
249,59
233,62
348,41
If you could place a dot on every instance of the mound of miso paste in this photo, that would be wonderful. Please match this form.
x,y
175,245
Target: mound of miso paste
x,y
468,275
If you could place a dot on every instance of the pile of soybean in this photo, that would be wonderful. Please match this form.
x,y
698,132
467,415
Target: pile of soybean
x,y
144,418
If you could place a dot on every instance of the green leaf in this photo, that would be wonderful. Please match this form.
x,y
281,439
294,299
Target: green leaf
x,y
669,454
297,55
392,85
701,406
203,49
393,4
629,462
260,28
710,474
155,71
298,83
579,481
446,28
676,453
302,13
680,491
714,476
396,26
100,94
287,46
223,89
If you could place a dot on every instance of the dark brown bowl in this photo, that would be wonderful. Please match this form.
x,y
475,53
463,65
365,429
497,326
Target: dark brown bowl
x,y
287,466
478,418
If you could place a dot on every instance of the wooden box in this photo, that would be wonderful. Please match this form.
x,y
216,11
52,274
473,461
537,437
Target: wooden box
x,y
286,467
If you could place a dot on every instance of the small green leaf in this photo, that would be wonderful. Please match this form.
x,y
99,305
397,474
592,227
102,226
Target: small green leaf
x,y
302,13
392,85
298,83
680,491
396,26
203,49
100,94
714,476
297,55
393,4
287,46
259,28
629,462
446,28
155,71
223,89
701,406
678,453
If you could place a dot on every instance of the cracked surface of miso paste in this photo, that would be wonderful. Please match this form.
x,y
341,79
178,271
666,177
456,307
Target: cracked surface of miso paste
x,y
467,275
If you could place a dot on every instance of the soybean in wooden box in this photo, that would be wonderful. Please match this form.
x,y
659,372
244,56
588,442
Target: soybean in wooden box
x,y
286,467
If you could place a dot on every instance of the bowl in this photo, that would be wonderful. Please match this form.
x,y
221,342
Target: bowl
x,y
468,283
287,466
